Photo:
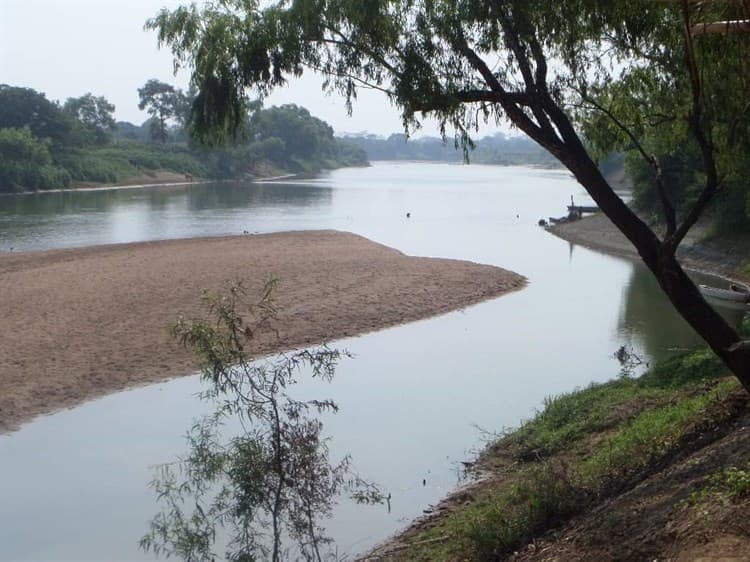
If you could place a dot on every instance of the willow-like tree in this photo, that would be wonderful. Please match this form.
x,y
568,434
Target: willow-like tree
x,y
549,68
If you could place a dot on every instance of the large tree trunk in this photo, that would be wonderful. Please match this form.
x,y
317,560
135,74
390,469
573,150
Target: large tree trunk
x,y
660,259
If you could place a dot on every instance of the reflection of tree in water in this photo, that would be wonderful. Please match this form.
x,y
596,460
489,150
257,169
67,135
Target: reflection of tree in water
x,y
269,487
236,195
59,202
648,317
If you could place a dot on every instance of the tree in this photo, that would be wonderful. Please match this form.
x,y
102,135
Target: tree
x,y
274,479
25,162
95,113
546,67
162,102
24,107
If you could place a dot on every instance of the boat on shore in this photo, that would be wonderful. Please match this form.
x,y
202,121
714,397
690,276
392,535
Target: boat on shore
x,y
735,293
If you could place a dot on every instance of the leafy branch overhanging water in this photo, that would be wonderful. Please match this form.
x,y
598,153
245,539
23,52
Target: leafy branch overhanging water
x,y
265,491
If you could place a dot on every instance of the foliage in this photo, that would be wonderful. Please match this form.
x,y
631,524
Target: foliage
x,y
96,115
653,102
20,145
25,161
567,418
578,77
497,149
25,108
727,485
162,102
284,138
271,483
538,501
649,436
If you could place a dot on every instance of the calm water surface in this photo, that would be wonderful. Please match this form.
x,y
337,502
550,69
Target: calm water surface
x,y
412,398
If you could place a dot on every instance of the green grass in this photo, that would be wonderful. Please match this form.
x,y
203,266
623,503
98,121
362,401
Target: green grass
x,y
567,418
579,447
725,486
649,436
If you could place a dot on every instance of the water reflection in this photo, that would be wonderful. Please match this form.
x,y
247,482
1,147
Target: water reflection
x,y
264,488
82,218
653,322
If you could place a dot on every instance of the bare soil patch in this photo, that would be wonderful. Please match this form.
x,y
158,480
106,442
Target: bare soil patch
x,y
655,520
81,323
726,257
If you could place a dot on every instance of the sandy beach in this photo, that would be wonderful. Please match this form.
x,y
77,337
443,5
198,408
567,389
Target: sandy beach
x,y
81,323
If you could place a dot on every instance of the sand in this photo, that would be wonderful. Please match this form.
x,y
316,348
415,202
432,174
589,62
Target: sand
x,y
81,323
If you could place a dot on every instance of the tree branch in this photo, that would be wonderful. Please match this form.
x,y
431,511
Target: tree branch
x,y
711,187
513,41
666,203
510,101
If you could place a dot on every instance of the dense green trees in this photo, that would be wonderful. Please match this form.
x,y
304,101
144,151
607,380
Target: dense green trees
x,y
495,149
24,107
46,146
162,102
25,161
95,116
550,68
677,122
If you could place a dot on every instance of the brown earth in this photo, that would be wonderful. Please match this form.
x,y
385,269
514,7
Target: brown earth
x,y
144,179
656,519
726,258
81,323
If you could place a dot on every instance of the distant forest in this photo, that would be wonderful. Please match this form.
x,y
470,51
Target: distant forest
x,y
49,145
497,149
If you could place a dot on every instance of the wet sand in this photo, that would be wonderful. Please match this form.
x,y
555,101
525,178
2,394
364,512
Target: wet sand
x,y
81,323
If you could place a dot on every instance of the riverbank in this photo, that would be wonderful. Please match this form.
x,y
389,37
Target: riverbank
x,y
651,468
157,179
656,467
727,258
81,323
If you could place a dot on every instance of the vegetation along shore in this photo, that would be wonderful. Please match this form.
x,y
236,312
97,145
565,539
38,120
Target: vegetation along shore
x,y
649,467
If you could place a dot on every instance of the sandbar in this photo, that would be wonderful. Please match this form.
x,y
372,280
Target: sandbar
x,y
81,323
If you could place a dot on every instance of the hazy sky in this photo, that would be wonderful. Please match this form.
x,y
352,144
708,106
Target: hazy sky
x,y
66,48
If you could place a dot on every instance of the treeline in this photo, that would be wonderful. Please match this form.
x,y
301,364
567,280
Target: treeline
x,y
48,145
497,149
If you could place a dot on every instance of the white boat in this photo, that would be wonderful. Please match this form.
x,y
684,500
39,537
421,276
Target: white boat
x,y
735,293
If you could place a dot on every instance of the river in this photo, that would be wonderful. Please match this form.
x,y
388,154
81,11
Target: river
x,y
74,485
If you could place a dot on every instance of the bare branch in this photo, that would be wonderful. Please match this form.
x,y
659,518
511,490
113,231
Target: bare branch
x,y
666,203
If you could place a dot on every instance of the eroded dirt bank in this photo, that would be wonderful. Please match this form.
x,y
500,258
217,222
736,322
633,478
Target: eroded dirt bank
x,y
81,323
726,258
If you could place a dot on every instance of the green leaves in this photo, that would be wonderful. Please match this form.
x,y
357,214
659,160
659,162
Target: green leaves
x,y
273,478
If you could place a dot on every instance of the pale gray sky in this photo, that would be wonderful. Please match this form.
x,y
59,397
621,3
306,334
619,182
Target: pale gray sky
x,y
66,48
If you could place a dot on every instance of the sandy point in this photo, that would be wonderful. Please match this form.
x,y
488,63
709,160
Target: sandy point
x,y
80,323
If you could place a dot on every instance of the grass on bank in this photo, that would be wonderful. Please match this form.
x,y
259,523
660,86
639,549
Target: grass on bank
x,y
581,447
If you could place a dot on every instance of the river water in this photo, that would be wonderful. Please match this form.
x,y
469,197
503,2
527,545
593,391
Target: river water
x,y
74,485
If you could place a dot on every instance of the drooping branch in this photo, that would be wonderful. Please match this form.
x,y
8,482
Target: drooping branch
x,y
510,101
666,202
513,42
